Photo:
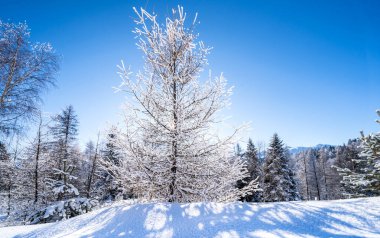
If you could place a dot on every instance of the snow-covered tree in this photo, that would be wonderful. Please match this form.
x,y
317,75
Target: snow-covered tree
x,y
168,148
6,169
93,164
63,186
26,70
15,197
278,182
363,179
63,153
302,168
109,182
63,167
254,167
238,151
37,156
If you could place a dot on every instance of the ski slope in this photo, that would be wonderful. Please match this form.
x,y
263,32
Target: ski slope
x,y
340,218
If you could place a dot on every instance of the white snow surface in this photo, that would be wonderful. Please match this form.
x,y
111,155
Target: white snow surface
x,y
340,218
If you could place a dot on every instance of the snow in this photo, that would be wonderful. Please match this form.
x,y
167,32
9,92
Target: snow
x,y
3,217
340,218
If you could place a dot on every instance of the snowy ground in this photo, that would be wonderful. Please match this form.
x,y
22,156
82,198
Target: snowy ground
x,y
342,218
2,218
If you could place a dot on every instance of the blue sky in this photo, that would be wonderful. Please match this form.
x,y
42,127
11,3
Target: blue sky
x,y
309,71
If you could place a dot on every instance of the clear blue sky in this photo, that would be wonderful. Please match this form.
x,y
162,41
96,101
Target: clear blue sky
x,y
308,70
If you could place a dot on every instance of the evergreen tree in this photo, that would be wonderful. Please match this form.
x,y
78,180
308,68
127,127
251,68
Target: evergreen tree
x,y
254,168
293,187
363,179
110,183
238,151
277,182
63,186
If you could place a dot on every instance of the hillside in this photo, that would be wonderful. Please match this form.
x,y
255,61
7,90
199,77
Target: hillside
x,y
341,218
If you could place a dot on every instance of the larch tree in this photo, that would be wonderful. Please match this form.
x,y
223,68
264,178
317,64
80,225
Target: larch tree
x,y
92,169
38,155
169,149
315,177
83,168
64,132
301,164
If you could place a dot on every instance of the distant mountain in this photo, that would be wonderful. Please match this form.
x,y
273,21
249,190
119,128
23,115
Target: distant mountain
x,y
295,150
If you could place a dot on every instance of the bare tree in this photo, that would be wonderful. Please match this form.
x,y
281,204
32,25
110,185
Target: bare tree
x,y
26,69
169,150
38,148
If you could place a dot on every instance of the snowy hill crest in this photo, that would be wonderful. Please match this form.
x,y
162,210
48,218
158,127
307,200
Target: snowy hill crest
x,y
341,218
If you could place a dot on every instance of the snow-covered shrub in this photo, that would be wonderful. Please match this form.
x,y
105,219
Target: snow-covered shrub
x,y
62,210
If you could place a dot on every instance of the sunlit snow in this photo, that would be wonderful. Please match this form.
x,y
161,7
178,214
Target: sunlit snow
x,y
340,218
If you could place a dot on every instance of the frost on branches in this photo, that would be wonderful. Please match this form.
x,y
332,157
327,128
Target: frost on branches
x,y
62,186
168,150
364,180
278,180
62,210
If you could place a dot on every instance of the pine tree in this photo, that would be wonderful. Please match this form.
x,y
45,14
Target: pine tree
x,y
238,151
254,167
364,178
110,183
63,186
277,181
293,187
294,195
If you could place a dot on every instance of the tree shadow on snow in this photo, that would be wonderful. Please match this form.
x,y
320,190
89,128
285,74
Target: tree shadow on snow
x,y
230,220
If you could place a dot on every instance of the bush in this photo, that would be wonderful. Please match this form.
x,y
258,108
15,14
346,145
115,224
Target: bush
x,y
62,210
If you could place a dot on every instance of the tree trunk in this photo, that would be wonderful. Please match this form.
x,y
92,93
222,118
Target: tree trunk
x,y
37,160
325,179
306,181
174,144
9,197
316,179
90,177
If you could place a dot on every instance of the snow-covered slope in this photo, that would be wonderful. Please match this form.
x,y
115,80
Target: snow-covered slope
x,y
342,218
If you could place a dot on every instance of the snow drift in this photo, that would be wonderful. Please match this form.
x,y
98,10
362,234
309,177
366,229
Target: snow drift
x,y
340,218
